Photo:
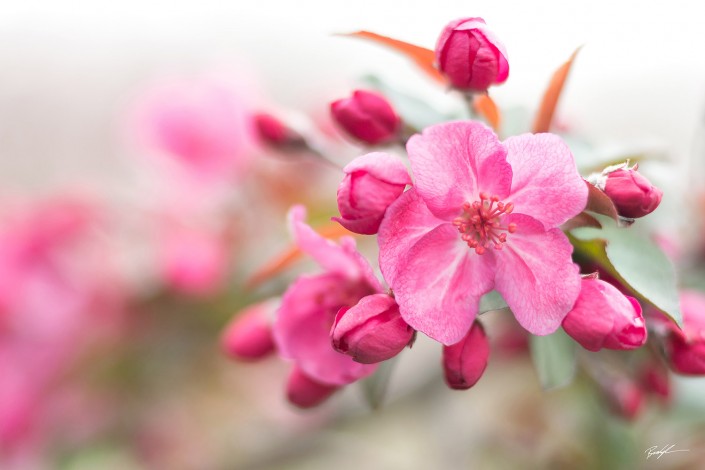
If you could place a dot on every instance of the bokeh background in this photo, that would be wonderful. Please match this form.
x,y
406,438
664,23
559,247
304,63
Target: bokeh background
x,y
121,264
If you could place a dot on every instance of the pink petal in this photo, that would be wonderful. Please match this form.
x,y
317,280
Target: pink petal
x,y
302,327
439,283
383,166
406,221
546,183
452,162
326,253
536,275
305,392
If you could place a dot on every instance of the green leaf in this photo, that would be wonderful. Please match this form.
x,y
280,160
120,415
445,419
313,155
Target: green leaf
x,y
374,387
415,112
554,359
492,301
640,264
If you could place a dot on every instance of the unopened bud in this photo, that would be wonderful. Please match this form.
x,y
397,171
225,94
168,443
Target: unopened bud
x,y
372,331
304,392
367,117
465,361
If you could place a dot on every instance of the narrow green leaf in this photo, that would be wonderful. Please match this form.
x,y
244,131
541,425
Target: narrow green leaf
x,y
554,359
640,263
374,387
414,111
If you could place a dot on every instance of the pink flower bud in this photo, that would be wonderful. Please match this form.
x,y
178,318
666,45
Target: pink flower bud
x,y
685,348
465,361
470,55
632,194
304,392
275,133
372,331
248,336
371,183
654,380
367,117
603,317
624,397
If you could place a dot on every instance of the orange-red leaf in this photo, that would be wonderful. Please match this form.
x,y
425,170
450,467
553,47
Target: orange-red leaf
x,y
283,260
421,56
486,107
544,117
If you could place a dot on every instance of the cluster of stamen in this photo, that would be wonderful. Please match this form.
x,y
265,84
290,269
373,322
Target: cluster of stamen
x,y
480,223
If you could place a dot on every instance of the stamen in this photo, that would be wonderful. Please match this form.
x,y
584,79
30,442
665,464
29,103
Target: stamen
x,y
480,224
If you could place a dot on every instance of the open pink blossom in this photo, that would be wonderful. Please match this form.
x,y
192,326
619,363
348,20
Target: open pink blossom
x,y
483,215
194,261
303,322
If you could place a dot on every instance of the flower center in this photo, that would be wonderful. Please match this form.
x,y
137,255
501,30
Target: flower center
x,y
480,223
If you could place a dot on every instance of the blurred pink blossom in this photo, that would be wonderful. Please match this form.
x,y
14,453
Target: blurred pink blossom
x,y
194,261
201,125
58,297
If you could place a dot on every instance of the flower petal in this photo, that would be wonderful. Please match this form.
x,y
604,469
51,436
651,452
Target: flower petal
x,y
405,222
452,162
330,256
439,283
383,166
536,275
546,184
302,328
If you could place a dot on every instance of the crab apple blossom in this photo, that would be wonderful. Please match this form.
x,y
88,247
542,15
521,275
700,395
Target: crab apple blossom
x,y
465,361
367,117
482,215
308,308
273,132
371,183
603,317
632,194
305,392
371,331
248,336
685,347
471,56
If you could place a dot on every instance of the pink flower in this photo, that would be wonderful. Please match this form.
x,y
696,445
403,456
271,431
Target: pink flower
x,y
482,215
685,348
603,317
465,361
372,182
276,134
194,261
248,336
633,195
470,55
372,330
305,392
308,308
367,117
202,125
